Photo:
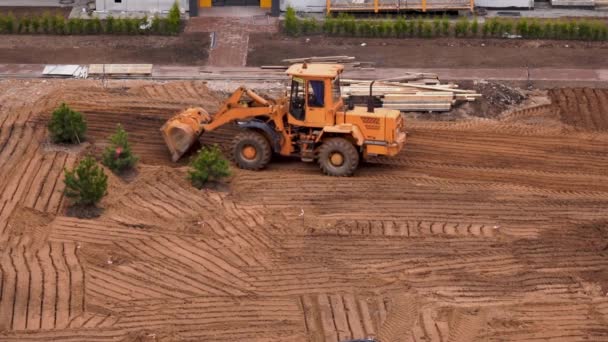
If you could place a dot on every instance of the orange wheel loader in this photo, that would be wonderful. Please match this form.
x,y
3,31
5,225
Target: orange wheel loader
x,y
311,123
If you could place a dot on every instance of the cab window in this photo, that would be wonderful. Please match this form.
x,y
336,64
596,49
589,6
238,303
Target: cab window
x,y
316,94
296,102
335,92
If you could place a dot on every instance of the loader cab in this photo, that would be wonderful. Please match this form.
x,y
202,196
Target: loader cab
x,y
314,94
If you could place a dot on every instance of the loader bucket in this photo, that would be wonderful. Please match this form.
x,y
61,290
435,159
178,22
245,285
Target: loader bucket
x,y
182,131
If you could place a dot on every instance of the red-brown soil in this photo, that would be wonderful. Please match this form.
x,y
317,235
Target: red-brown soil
x,y
186,49
267,49
482,229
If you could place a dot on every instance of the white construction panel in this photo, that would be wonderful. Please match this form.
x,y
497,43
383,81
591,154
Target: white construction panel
x,y
505,3
573,3
305,5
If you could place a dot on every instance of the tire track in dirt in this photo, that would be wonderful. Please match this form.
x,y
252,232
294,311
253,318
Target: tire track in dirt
x,y
338,317
582,108
400,319
41,290
166,259
466,325
407,228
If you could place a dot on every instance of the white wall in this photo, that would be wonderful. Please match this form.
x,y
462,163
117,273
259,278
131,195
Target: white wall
x,y
305,5
138,5
505,3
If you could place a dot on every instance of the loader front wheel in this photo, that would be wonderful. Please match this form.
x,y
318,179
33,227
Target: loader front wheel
x,y
251,150
338,157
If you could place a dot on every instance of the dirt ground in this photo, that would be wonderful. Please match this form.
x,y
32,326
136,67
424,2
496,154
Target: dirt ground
x,y
186,49
482,229
20,11
267,49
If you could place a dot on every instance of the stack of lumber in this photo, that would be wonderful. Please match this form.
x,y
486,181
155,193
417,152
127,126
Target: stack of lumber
x,y
347,61
414,92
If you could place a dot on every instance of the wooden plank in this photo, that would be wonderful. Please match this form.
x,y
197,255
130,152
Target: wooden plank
x,y
120,69
439,97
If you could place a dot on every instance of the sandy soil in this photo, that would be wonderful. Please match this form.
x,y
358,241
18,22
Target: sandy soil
x,y
482,229
266,49
186,49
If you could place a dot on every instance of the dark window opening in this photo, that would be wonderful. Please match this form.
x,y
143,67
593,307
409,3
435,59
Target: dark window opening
x,y
296,104
316,94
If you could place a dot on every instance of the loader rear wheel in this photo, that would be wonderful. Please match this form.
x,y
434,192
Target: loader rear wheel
x,y
251,150
338,157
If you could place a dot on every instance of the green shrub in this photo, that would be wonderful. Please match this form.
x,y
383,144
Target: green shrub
x,y
120,26
75,26
572,30
35,25
445,26
24,25
507,27
400,27
291,22
208,165
59,24
118,156
155,27
485,29
595,30
602,29
474,27
86,184
2,23
535,30
174,19
521,28
419,24
437,26
364,28
585,30
494,26
409,28
310,26
131,26
548,29
462,27
67,125
561,30
349,25
385,28
109,26
10,23
427,29
328,25
45,22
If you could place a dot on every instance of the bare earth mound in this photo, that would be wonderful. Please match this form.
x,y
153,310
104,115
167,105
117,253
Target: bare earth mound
x,y
486,229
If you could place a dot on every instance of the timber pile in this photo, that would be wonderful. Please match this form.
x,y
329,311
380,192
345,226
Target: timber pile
x,y
347,61
412,92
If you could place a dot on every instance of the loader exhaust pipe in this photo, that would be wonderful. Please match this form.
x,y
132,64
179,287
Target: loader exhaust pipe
x,y
370,99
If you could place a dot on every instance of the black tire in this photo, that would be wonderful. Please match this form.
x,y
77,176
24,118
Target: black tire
x,y
345,149
259,143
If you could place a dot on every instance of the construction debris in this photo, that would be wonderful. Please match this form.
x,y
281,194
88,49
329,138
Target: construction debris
x,y
347,61
76,71
120,69
413,92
